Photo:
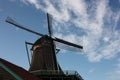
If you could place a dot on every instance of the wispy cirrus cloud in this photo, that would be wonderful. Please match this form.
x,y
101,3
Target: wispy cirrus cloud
x,y
94,22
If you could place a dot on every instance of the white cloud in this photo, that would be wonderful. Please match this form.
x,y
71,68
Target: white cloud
x,y
101,10
95,19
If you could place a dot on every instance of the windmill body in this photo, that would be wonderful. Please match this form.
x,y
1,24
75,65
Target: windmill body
x,y
43,57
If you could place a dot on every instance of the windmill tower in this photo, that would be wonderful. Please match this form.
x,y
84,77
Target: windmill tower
x,y
44,63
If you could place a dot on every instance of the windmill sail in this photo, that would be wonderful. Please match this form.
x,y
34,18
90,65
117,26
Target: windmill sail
x,y
67,47
11,21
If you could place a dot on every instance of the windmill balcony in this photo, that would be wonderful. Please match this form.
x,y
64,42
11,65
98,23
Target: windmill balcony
x,y
56,74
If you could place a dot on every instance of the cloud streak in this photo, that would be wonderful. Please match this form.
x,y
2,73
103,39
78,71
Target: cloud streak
x,y
92,21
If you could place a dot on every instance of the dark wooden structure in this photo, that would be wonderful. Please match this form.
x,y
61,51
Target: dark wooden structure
x,y
44,57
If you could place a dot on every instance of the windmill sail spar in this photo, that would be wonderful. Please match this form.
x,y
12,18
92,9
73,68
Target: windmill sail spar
x,y
49,24
11,21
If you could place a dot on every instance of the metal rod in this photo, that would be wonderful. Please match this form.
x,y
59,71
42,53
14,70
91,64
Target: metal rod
x,y
27,52
29,43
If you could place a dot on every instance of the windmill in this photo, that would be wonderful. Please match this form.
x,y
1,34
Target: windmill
x,y
44,49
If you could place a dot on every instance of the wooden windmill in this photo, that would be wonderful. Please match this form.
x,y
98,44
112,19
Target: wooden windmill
x,y
44,49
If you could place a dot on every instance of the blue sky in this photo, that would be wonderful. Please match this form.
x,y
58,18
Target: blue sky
x,y
95,24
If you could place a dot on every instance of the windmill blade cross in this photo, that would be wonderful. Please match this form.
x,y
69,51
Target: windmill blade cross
x,y
11,21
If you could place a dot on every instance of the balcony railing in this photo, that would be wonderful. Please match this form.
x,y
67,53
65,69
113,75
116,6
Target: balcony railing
x,y
57,73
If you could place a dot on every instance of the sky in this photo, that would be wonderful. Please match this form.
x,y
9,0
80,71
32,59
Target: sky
x,y
94,24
